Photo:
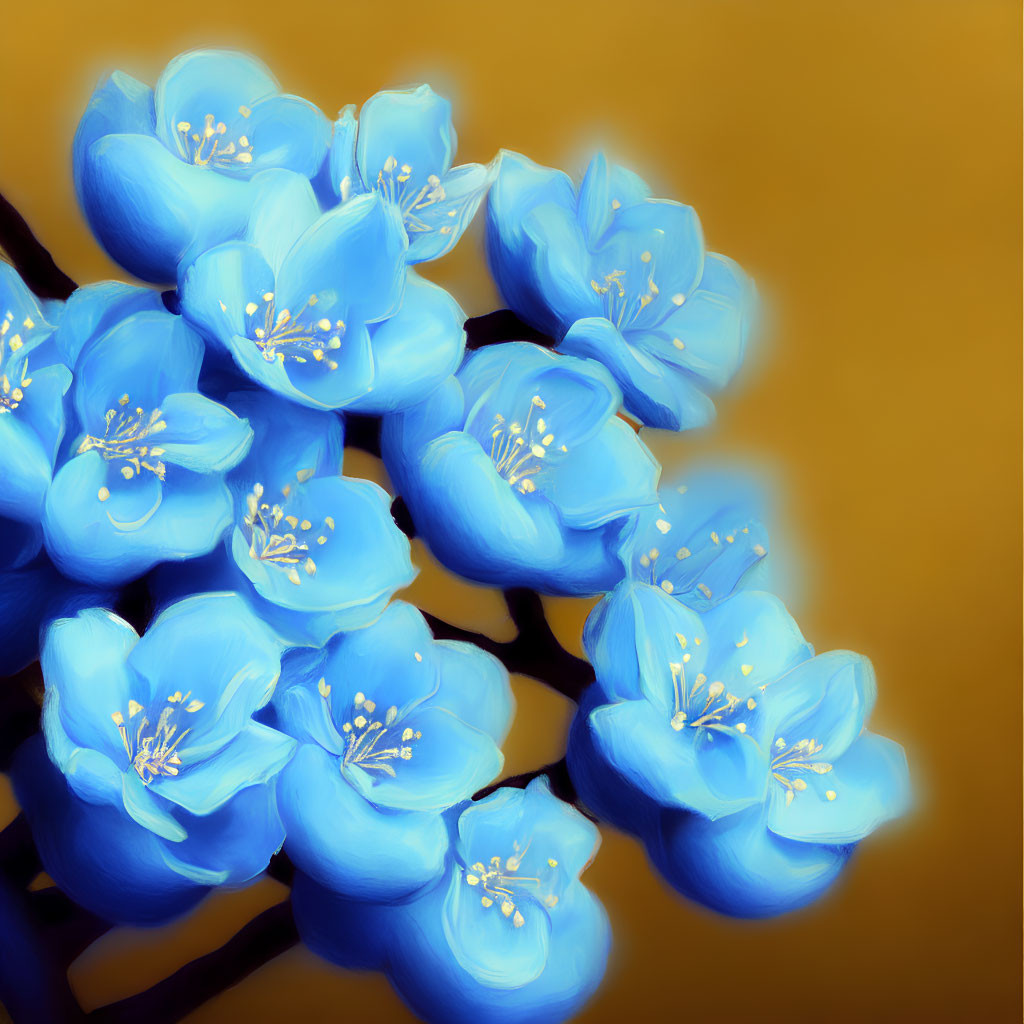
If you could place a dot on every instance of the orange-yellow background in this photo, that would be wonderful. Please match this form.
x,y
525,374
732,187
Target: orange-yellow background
x,y
861,158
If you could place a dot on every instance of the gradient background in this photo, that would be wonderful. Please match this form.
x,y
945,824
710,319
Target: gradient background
x,y
861,159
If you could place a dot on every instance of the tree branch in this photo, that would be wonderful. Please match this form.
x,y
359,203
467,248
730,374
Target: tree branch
x,y
265,937
29,257
499,326
534,652
558,777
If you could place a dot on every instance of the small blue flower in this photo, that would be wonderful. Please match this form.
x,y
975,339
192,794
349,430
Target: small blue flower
x,y
394,728
615,275
402,147
33,382
519,472
700,542
509,934
163,173
162,771
727,723
314,552
311,305
145,479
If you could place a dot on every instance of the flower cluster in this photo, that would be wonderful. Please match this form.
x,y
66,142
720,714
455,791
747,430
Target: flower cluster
x,y
227,674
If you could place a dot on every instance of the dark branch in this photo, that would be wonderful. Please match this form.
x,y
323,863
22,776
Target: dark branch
x,y
19,860
265,937
30,259
70,929
534,652
502,325
363,432
21,698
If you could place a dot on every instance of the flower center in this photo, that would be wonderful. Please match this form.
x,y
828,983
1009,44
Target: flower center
x,y
518,449
125,438
153,749
703,704
365,743
280,334
499,879
393,183
12,387
210,145
286,546
797,757
624,301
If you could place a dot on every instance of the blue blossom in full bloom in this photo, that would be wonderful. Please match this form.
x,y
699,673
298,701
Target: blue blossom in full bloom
x,y
402,147
394,728
700,542
33,382
704,732
157,783
519,472
508,935
144,481
317,306
163,173
314,552
613,274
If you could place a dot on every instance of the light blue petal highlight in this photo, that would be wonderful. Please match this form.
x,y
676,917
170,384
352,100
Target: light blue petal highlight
x,y
378,855
400,129
254,756
202,436
438,227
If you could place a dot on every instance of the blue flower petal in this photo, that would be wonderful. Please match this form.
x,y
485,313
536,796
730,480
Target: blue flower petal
x,y
94,309
123,174
26,470
438,227
404,129
201,82
865,787
448,762
84,661
232,845
137,526
485,942
253,757
677,768
345,181
354,253
606,189
378,855
415,350
605,478
651,391
736,866
285,206
147,357
202,435
287,132
474,686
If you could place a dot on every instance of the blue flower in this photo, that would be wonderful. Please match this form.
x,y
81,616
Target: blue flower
x,y
160,769
700,542
163,173
311,305
508,935
402,147
394,728
740,758
145,479
33,382
314,552
613,274
519,472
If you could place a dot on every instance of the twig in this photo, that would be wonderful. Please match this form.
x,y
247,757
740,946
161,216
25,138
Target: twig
x,y
502,325
265,937
534,652
30,258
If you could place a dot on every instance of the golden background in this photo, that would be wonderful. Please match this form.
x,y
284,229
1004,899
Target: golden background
x,y
861,159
